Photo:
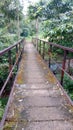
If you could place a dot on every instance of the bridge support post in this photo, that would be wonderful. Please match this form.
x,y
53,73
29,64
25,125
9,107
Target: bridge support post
x,y
37,44
10,67
50,52
43,49
17,54
63,67
10,60
40,48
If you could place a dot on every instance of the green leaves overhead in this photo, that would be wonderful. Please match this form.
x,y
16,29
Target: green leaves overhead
x,y
62,34
10,15
10,8
56,20
55,7
34,11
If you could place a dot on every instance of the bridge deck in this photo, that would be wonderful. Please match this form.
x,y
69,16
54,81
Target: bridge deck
x,y
38,103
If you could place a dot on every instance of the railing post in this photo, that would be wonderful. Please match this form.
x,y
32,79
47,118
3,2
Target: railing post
x,y
17,54
37,44
43,49
63,66
19,47
23,44
40,47
22,47
20,52
50,51
10,60
16,51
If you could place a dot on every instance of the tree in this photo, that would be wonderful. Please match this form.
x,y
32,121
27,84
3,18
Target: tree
x,y
55,7
57,20
12,14
35,13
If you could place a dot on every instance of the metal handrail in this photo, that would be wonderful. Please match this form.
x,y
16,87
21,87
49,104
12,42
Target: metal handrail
x,y
9,48
65,49
40,45
56,45
19,50
10,65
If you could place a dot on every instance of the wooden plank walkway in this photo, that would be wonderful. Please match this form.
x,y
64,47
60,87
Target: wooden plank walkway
x,y
38,102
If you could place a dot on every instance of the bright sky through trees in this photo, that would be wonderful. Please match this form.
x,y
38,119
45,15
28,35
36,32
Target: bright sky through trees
x,y
25,4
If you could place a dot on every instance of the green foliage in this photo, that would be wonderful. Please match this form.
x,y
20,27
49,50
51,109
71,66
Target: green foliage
x,y
55,7
28,27
35,11
57,20
3,73
25,32
3,102
58,25
11,15
1,113
10,9
7,40
68,85
62,35
10,20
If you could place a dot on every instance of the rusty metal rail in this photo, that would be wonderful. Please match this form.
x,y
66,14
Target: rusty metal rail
x,y
41,47
19,46
42,43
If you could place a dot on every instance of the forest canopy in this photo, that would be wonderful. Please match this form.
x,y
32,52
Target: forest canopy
x,y
10,16
55,20
50,19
